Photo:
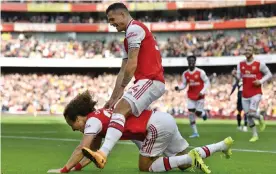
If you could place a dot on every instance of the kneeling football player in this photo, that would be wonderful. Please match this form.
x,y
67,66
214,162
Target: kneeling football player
x,y
156,134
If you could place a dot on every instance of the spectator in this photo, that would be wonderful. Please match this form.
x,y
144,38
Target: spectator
x,y
50,93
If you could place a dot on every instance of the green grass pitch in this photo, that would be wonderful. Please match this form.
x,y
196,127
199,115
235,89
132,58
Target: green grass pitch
x,y
32,145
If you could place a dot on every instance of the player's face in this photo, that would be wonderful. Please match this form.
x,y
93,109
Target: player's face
x,y
116,18
248,52
191,63
78,125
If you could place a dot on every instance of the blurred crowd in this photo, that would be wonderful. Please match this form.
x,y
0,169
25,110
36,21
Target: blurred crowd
x,y
146,16
199,44
83,1
50,93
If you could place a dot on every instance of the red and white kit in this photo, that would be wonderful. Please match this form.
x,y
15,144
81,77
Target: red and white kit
x,y
157,131
198,84
149,78
249,72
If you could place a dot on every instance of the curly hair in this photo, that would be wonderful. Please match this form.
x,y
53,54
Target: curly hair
x,y
81,105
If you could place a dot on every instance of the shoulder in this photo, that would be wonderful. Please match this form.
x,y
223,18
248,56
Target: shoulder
x,y
185,73
134,29
201,71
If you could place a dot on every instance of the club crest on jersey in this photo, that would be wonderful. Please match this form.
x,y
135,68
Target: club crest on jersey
x,y
243,67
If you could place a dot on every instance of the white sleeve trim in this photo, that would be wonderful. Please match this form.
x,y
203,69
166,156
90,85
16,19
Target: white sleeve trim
x,y
135,35
93,126
267,74
206,81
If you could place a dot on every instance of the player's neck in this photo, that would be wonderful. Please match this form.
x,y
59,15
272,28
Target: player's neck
x,y
129,20
192,69
250,59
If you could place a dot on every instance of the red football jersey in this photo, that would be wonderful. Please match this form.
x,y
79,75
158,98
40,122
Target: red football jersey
x,y
135,127
149,64
196,83
250,73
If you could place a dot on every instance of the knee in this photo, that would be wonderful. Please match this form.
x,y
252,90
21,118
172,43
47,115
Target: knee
x,y
198,113
123,107
144,168
192,110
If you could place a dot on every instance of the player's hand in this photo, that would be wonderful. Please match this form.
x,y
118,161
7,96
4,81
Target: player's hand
x,y
110,103
200,94
55,171
257,83
176,88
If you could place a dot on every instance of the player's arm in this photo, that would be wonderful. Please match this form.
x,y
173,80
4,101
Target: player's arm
x,y
236,73
182,85
206,81
117,93
92,128
135,35
234,87
96,143
267,74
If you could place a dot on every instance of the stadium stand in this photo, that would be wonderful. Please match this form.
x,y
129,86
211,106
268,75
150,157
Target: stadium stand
x,y
76,31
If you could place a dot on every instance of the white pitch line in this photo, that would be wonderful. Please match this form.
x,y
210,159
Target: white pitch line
x,y
30,132
125,142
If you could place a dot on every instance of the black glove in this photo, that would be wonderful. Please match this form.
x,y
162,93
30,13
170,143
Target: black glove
x,y
176,88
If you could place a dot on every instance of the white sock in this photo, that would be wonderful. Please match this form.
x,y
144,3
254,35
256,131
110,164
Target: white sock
x,y
254,131
208,150
194,128
163,164
114,132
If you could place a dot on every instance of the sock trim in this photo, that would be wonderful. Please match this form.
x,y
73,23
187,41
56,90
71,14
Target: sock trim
x,y
206,150
167,163
116,125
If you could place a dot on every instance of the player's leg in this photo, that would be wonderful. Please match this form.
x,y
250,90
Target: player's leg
x,y
116,126
200,112
251,123
245,123
134,101
239,108
179,145
253,114
192,117
167,132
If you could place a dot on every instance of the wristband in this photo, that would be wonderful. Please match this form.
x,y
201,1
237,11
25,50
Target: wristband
x,y
78,166
64,170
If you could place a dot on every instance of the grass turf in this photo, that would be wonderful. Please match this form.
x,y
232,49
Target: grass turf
x,y
33,145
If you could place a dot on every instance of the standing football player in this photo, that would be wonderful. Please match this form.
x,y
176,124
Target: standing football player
x,y
253,73
238,84
198,83
143,61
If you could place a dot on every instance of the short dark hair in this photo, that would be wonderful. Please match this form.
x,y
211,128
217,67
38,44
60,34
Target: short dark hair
x,y
116,6
191,57
82,105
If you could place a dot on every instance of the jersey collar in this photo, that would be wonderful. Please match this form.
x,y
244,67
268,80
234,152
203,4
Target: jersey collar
x,y
129,23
